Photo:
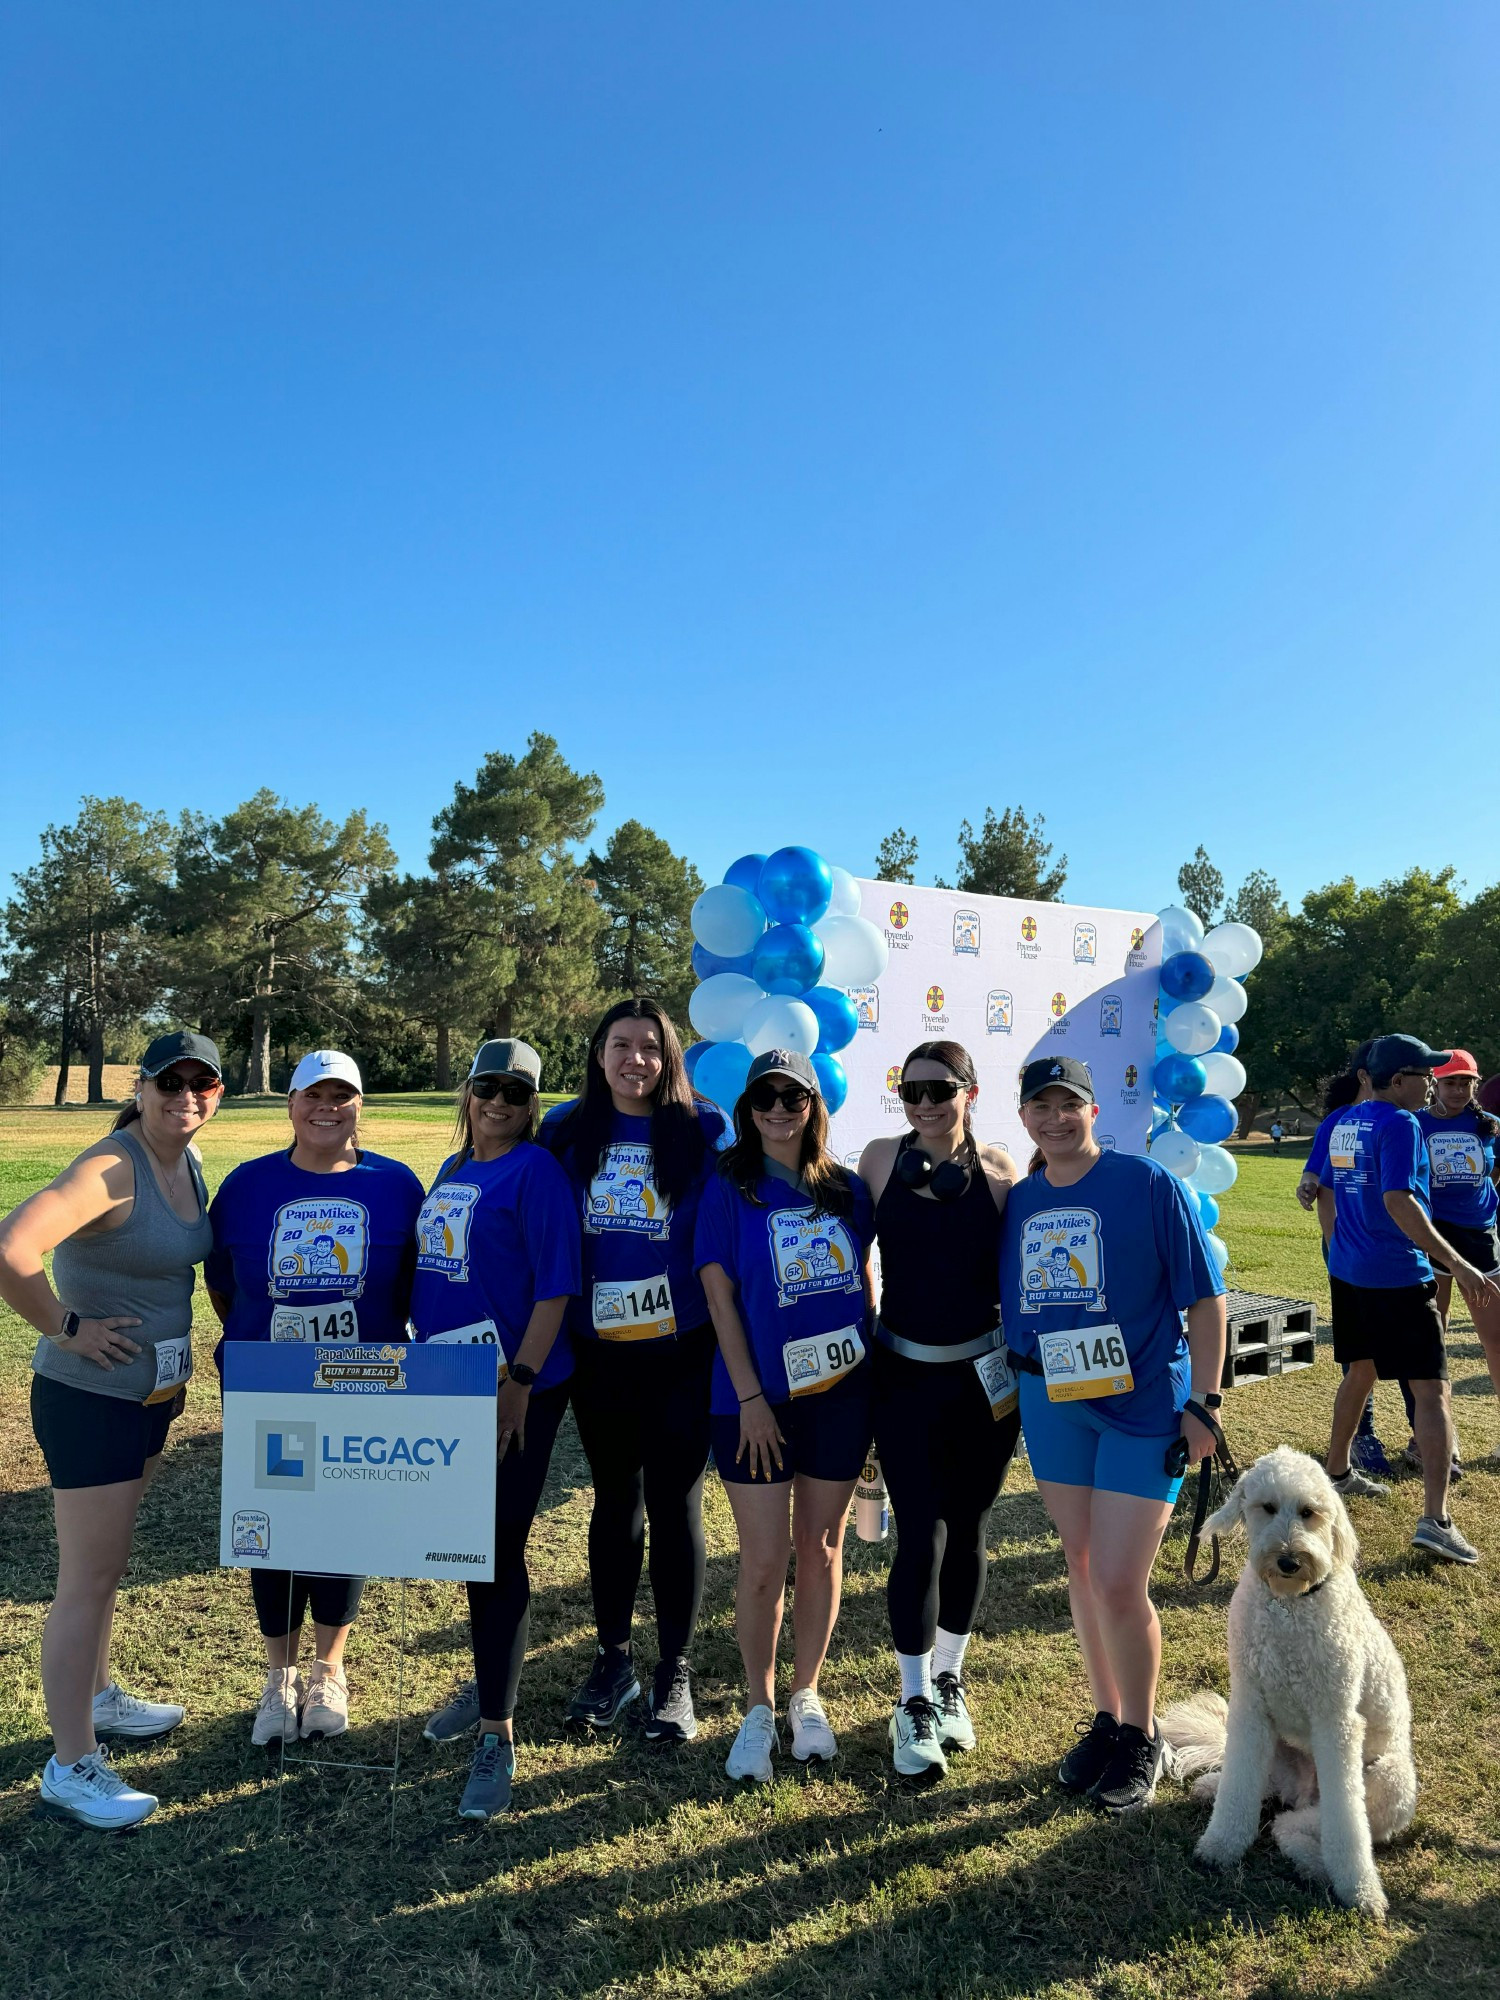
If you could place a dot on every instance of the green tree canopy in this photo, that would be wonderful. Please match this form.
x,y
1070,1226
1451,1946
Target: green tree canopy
x,y
1259,903
1201,887
1009,856
437,956
645,944
896,858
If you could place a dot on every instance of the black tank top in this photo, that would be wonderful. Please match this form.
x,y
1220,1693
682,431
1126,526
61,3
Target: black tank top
x,y
939,1262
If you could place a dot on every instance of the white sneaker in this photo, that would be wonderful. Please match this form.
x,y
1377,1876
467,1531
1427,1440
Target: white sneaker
x,y
750,1756
915,1749
276,1711
813,1742
117,1713
325,1705
91,1792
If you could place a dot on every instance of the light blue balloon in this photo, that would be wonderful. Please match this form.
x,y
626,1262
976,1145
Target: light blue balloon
x,y
727,921
788,959
1177,1078
745,873
796,887
1210,1119
692,1056
707,963
1208,1209
1186,975
832,1080
1228,1042
721,1073
838,1019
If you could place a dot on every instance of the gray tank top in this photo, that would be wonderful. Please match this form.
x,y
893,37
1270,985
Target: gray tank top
x,y
142,1270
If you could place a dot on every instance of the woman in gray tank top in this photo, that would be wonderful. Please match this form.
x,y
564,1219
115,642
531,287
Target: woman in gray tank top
x,y
126,1223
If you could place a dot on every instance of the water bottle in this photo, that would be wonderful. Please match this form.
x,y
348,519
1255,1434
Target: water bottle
x,y
872,1504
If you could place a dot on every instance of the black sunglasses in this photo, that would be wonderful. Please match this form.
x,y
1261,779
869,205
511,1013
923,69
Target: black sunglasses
x,y
170,1084
509,1087
937,1089
764,1096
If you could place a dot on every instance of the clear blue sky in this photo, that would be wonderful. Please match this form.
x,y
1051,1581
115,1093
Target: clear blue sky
x,y
817,416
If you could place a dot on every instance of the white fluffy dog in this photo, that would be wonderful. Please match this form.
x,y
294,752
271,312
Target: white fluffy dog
x,y
1318,1713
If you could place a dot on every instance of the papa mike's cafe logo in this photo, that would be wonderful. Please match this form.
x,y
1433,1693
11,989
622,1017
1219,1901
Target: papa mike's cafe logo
x,y
1027,947
966,933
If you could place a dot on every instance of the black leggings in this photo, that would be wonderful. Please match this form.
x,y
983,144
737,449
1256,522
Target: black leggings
x,y
499,1612
333,1600
944,1459
642,1413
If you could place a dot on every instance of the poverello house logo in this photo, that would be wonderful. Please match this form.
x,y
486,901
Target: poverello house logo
x,y
1132,1076
1028,929
935,1000
1137,938
900,916
1059,1004
893,1078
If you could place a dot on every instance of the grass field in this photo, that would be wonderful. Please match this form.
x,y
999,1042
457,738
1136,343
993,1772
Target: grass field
x,y
623,1871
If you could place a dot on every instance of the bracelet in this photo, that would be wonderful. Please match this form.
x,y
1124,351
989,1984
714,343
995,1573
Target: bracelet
x,y
751,1399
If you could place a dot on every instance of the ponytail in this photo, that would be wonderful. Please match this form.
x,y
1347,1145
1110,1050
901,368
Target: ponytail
x,y
132,1110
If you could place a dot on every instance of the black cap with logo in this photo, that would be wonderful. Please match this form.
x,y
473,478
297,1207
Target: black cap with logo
x,y
1067,1072
181,1046
785,1062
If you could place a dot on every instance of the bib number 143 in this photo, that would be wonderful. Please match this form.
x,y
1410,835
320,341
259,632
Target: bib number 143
x,y
1085,1363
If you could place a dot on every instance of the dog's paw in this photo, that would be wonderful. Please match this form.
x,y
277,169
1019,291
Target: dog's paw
x,y
1207,1787
1216,1852
1368,1898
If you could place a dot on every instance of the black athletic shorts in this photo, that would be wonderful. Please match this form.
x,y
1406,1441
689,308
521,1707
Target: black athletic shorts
x,y
1480,1247
93,1440
827,1436
1395,1326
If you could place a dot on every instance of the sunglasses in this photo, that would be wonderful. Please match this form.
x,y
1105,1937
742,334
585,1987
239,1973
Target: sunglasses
x,y
937,1090
170,1084
765,1096
508,1087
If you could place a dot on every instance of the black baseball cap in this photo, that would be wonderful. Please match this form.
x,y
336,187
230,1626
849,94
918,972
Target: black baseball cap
x,y
1389,1053
1067,1072
181,1046
785,1062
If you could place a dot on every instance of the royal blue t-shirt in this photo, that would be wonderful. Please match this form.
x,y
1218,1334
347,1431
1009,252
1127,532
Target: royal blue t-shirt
x,y
493,1237
798,1273
1461,1160
1375,1149
639,1278
1121,1247
305,1256
1317,1152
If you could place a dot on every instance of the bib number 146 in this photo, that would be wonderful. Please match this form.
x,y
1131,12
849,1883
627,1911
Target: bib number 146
x,y
1085,1363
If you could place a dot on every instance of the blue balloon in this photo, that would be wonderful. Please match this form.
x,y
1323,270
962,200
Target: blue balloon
x,y
1228,1042
838,1019
835,1084
745,873
692,1056
795,887
1177,1078
1208,1209
1186,975
706,963
1210,1119
721,1073
788,959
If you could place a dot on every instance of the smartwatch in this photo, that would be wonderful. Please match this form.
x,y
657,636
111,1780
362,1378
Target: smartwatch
x,y
71,1321
518,1371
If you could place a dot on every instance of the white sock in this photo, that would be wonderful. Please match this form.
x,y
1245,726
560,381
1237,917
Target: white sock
x,y
916,1675
948,1653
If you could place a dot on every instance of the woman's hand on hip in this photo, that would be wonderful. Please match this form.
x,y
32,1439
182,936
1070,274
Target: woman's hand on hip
x,y
101,1341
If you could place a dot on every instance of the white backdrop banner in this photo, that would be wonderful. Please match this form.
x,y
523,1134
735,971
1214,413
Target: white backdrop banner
x,y
359,1460
1010,980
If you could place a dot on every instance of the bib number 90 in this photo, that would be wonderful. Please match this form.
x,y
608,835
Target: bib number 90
x,y
817,1364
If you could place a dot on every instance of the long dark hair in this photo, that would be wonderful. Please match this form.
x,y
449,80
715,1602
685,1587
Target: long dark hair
x,y
829,1184
1342,1090
677,1139
953,1056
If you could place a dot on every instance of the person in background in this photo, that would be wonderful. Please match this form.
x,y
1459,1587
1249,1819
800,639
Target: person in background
x,y
1385,1317
1461,1151
1278,1133
313,1242
125,1224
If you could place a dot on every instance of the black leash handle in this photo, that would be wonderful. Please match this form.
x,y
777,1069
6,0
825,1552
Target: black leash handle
x,y
1220,1460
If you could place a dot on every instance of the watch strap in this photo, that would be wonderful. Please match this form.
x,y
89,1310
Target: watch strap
x,y
522,1372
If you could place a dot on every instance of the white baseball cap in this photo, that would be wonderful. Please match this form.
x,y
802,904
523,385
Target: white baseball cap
x,y
322,1065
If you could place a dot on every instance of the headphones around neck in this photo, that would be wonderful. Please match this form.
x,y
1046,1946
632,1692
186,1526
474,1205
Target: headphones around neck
x,y
946,1182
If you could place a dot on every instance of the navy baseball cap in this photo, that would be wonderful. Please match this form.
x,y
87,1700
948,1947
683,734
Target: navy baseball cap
x,y
1389,1053
1067,1072
785,1062
181,1046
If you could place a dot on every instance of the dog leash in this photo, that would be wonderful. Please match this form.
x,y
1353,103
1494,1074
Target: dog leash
x,y
1220,1461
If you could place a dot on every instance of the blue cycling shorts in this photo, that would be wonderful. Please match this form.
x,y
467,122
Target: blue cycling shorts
x,y
1072,1444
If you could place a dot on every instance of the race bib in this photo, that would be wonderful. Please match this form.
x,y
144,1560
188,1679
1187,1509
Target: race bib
x,y
640,1310
1085,1362
336,1322
479,1333
998,1380
1343,1148
174,1364
815,1365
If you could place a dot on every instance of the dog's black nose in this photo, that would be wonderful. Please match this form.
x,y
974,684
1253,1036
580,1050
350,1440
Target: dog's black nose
x,y
1288,1565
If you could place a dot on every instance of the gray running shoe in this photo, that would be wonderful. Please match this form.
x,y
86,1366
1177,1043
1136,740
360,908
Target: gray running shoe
x,y
488,1789
117,1713
609,1690
458,1718
669,1705
1354,1484
1441,1538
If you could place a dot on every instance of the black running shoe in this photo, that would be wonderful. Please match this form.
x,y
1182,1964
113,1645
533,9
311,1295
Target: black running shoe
x,y
610,1688
669,1705
1084,1764
1129,1779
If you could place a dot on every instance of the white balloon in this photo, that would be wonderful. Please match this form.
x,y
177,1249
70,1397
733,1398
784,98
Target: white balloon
x,y
854,951
1177,1151
1192,1027
1219,1250
1227,998
719,1005
845,899
780,1023
1226,1076
727,921
1216,1170
1180,930
1235,949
